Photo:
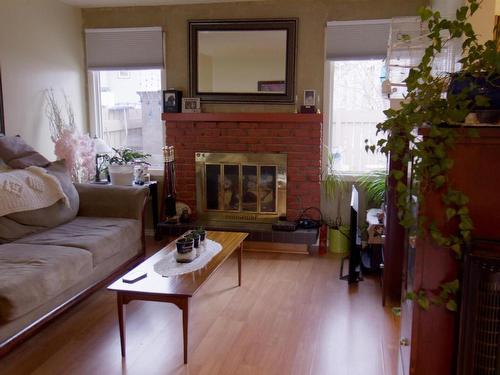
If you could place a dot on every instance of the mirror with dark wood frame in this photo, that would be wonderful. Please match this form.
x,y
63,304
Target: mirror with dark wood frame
x,y
243,61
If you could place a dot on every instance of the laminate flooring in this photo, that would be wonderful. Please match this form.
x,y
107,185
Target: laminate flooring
x,y
292,315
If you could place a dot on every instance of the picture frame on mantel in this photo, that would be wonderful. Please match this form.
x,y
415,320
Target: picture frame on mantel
x,y
2,122
172,101
191,105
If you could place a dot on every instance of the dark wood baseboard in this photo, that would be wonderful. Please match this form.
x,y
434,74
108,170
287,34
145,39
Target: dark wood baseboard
x,y
35,327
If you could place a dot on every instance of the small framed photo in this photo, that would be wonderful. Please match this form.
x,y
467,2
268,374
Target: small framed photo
x,y
172,101
309,97
191,105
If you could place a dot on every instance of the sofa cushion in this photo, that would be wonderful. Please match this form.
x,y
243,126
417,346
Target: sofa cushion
x,y
102,236
59,212
11,230
30,275
18,154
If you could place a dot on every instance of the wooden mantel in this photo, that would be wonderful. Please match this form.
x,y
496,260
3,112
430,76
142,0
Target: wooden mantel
x,y
243,117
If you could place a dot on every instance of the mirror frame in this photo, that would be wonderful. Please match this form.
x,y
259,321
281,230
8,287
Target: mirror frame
x,y
290,25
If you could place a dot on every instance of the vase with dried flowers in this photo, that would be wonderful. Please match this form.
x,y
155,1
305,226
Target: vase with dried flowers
x,y
69,144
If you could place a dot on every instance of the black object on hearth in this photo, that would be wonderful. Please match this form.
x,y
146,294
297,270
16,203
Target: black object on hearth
x,y
169,193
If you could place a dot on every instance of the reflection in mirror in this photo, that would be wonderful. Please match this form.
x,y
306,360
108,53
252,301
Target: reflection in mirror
x,y
242,61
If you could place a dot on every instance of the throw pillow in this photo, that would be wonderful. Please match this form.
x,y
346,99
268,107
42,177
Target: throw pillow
x,y
19,155
58,213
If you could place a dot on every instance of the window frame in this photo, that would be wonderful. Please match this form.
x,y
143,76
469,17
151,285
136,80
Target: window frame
x,y
346,175
94,105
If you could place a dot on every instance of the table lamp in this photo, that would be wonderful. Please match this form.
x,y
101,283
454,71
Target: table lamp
x,y
101,158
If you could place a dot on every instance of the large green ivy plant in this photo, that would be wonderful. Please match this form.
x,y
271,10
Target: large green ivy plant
x,y
426,106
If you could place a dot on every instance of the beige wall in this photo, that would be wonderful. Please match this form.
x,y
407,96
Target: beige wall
x,y
312,15
41,46
483,20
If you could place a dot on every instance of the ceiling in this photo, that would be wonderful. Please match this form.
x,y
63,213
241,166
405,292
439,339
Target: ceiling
x,y
123,3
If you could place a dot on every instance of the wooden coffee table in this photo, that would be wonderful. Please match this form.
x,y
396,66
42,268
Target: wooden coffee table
x,y
175,289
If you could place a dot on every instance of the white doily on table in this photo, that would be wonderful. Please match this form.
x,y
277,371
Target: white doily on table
x,y
168,266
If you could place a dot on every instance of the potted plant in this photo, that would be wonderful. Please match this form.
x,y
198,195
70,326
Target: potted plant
x,y
374,184
201,232
427,105
121,165
185,253
195,237
333,187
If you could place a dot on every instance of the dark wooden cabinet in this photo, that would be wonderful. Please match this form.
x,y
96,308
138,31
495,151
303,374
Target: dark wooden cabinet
x,y
429,339
394,244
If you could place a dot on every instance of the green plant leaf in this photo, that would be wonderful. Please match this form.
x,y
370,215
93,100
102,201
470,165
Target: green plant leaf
x,y
482,101
439,181
456,249
452,305
461,13
450,213
451,286
423,302
473,8
396,311
410,296
425,13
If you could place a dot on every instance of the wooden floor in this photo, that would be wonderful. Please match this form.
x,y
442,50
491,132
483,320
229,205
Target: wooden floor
x,y
292,315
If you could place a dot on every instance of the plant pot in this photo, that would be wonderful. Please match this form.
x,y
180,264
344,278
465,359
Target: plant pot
x,y
202,234
195,237
479,84
121,174
184,245
338,239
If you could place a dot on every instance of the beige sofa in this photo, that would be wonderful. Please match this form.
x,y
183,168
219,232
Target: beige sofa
x,y
48,270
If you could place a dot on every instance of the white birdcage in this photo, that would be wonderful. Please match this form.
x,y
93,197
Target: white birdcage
x,y
407,43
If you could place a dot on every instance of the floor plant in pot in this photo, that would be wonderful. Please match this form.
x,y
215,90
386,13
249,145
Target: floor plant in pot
x,y
333,188
439,104
374,184
121,165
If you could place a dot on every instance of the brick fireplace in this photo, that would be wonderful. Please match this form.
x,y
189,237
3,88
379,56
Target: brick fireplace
x,y
297,135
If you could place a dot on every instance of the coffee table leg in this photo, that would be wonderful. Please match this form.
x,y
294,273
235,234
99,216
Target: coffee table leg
x,y
121,322
240,255
185,318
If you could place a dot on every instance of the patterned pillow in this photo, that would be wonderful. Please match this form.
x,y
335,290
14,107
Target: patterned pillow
x,y
58,213
33,221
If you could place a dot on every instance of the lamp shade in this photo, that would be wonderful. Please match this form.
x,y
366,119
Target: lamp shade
x,y
101,147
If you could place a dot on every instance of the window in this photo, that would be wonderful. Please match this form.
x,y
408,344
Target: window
x,y
128,106
357,106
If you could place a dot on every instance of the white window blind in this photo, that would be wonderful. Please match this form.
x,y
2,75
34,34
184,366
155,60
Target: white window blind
x,y
126,48
357,40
